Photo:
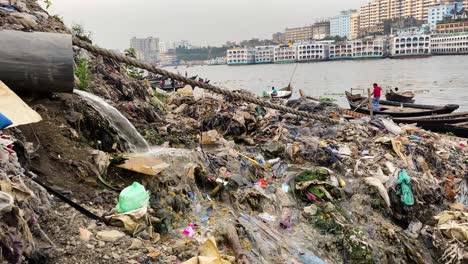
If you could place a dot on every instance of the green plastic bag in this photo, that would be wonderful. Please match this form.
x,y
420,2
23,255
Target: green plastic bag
x,y
405,188
133,197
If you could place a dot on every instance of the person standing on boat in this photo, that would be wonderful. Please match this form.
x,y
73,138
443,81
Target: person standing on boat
x,y
274,92
161,84
376,99
173,84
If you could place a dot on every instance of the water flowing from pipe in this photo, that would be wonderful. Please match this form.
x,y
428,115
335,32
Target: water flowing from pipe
x,y
136,142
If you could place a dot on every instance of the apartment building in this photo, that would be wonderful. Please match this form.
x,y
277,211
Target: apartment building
x,y
452,26
341,25
147,49
441,10
299,34
376,11
354,27
321,30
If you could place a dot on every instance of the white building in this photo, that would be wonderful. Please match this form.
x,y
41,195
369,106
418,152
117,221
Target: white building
x,y
368,48
441,10
285,54
341,25
342,50
264,54
239,56
456,43
358,49
169,58
422,30
312,51
147,49
413,45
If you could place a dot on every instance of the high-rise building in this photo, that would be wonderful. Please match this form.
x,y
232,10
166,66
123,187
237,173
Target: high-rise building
x,y
279,37
340,25
354,26
374,13
147,49
317,31
441,10
299,34
321,30
455,26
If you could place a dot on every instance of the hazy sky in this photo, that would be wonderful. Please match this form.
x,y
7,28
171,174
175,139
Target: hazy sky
x,y
203,22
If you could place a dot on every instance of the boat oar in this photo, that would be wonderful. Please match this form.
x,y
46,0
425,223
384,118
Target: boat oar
x,y
359,106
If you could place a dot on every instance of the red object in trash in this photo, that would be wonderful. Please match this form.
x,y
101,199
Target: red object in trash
x,y
262,183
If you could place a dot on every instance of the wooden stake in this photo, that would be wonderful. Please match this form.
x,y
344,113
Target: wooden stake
x,y
371,107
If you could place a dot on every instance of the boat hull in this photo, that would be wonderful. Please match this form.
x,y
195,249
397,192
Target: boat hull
x,y
435,123
396,97
417,109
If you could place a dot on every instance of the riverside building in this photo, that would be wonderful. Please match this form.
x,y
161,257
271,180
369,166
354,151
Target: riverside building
x,y
240,56
312,52
450,44
411,46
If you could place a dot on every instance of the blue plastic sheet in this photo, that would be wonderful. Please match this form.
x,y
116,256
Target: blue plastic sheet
x,y
4,121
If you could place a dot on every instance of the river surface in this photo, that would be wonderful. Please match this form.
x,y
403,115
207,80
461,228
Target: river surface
x,y
436,80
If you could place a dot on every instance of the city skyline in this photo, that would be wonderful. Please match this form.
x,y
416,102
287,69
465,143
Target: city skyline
x,y
192,20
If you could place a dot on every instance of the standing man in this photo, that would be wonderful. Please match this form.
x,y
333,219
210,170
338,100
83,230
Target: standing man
x,y
376,99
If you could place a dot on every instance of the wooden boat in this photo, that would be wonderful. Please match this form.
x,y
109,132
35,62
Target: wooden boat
x,y
435,123
458,129
404,97
283,93
396,109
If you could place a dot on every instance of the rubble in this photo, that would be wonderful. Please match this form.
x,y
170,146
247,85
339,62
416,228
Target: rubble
x,y
243,183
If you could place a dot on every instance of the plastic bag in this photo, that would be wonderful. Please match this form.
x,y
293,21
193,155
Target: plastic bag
x,y
405,191
133,197
4,121
6,202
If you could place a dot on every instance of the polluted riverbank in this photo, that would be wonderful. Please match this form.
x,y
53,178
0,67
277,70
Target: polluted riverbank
x,y
226,181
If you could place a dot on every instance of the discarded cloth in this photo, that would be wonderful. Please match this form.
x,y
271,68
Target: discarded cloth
x,y
405,191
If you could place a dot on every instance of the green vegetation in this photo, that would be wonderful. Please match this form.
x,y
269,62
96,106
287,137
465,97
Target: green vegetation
x,y
327,100
204,53
79,31
83,74
133,72
320,174
48,3
357,249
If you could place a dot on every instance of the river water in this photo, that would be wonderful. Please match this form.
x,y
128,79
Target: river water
x,y
435,80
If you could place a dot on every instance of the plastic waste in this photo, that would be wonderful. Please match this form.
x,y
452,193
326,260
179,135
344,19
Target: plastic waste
x,y
4,121
133,197
189,232
416,138
308,257
6,202
405,191
267,217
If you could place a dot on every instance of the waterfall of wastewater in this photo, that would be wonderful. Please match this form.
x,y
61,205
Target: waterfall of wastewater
x,y
122,125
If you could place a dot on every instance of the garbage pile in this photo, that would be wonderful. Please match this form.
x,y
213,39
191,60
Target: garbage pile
x,y
225,181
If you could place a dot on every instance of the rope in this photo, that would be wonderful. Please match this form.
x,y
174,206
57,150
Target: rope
x,y
246,98
136,63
